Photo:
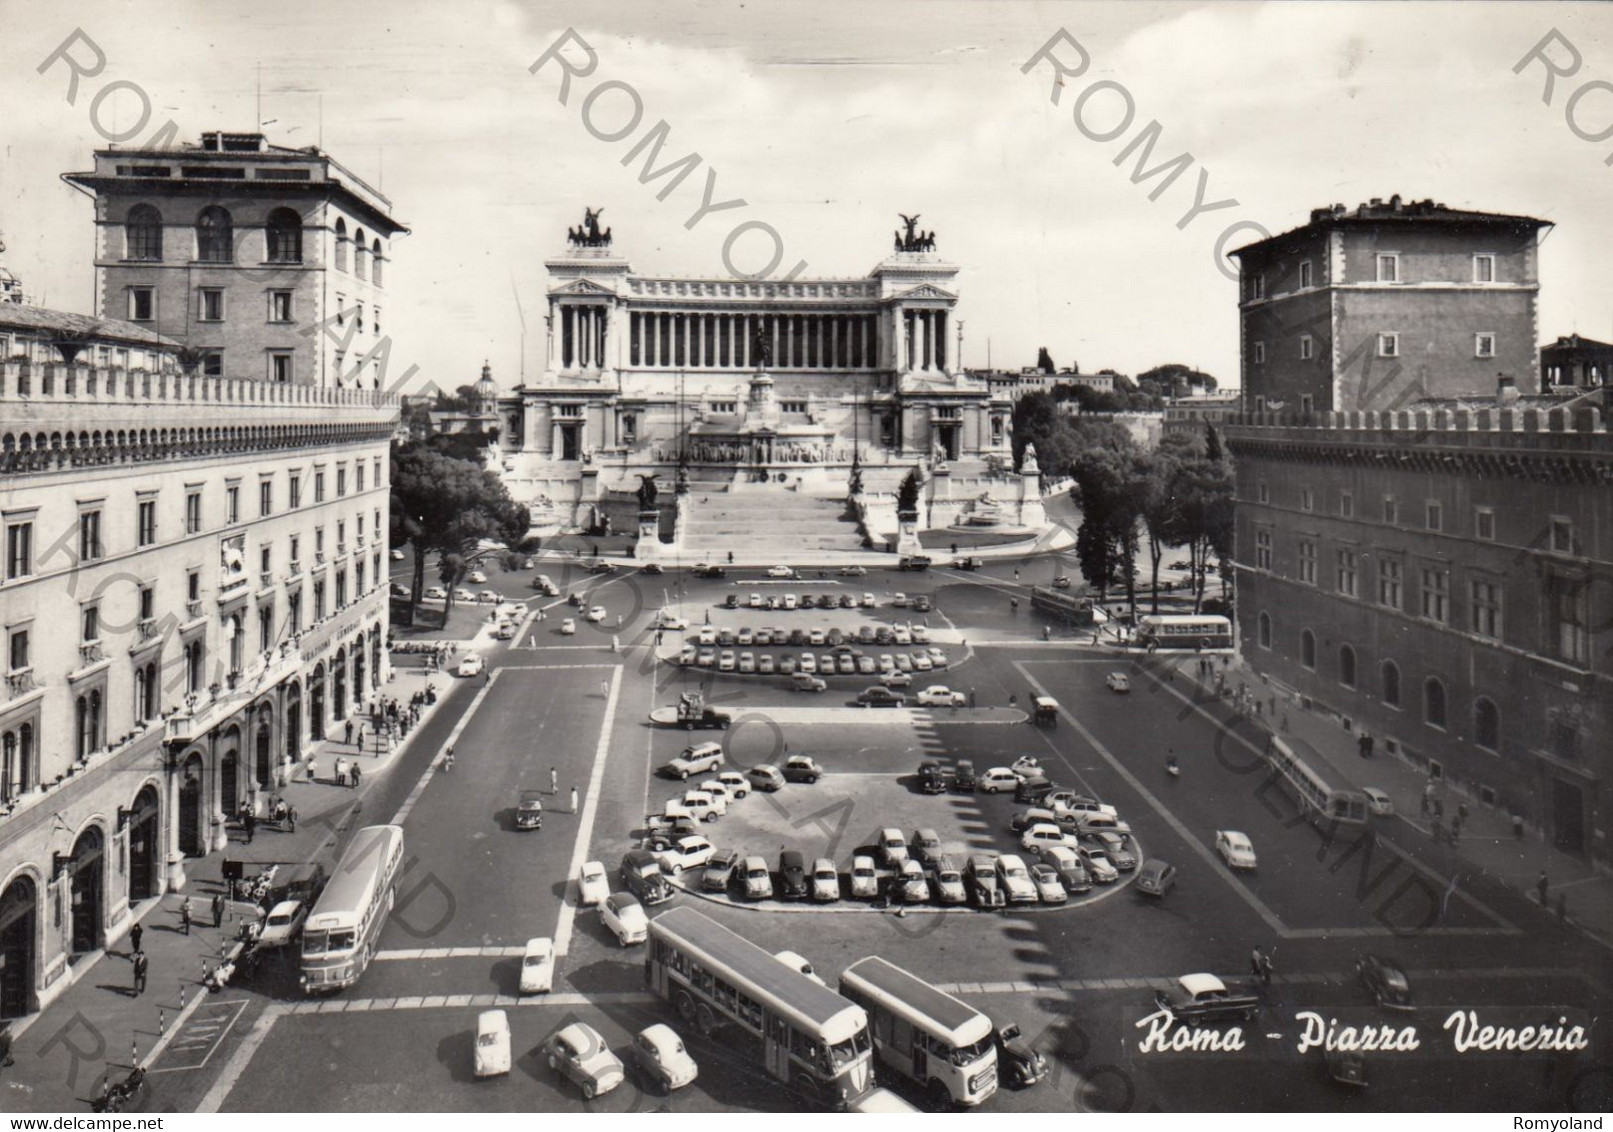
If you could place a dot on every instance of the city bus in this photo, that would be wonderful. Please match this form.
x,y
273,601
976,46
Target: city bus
x,y
1184,631
1070,607
797,1030
341,933
923,1033
1295,762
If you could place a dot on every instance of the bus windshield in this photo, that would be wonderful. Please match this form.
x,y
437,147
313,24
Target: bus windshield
x,y
968,1055
313,943
844,1052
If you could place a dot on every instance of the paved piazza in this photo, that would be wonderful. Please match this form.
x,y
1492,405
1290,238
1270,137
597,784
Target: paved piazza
x,y
1078,979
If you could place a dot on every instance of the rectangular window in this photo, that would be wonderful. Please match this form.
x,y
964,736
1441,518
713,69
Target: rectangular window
x,y
1346,570
1484,523
1562,535
89,536
146,522
1435,516
232,505
1484,269
1485,597
1260,353
319,540
1391,510
142,304
358,318
1257,286
1388,345
341,480
319,485
1307,562
1305,275
193,512
295,490
148,603
375,467
1347,504
17,651
341,589
193,585
1263,492
89,624
1484,345
210,304
1307,347
279,306
213,363
319,600
1436,595
1263,550
341,309
280,365
358,475
1389,582
1388,267
265,498
1307,499
265,558
375,319
296,547
1569,608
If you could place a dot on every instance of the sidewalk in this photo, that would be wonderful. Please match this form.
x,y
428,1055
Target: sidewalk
x,y
98,1029
1487,841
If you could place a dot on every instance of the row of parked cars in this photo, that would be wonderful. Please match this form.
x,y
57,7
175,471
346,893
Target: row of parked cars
x,y
579,1053
844,660
896,633
920,603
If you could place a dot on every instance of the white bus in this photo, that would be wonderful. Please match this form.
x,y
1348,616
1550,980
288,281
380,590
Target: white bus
x,y
1182,631
799,1031
923,1033
341,933
1295,763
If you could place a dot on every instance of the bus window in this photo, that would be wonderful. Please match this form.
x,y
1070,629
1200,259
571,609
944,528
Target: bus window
x,y
778,1031
843,1052
313,943
902,1036
342,940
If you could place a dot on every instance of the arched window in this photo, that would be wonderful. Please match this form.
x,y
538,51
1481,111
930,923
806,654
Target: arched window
x,y
1265,630
1433,702
193,666
1486,724
1307,649
236,637
27,765
284,236
143,233
8,767
341,244
88,712
375,265
215,236
1347,666
1391,683
145,692
360,255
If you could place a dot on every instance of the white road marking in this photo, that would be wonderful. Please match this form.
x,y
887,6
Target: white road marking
x,y
585,827
241,1058
450,953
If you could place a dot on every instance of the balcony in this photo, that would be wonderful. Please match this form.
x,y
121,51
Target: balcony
x,y
89,653
319,558
266,579
19,682
147,628
293,568
193,609
341,549
203,713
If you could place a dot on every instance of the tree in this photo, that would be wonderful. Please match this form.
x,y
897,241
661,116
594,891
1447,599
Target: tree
x,y
907,495
1044,361
1155,474
1107,488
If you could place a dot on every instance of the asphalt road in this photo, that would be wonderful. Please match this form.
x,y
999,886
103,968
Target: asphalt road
x,y
1079,981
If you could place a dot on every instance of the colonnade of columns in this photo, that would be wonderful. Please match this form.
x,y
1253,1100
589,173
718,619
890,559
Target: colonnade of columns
x,y
924,340
716,340
583,334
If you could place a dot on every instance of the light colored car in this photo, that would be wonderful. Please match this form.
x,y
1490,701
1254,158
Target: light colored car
x,y
707,658
902,634
623,916
505,630
688,655
948,882
1026,766
666,619
825,881
462,594
764,664
698,759
696,804
853,571
726,662
707,635
745,637
893,679
579,1052
735,783
1016,880
780,572
1098,865
996,780
593,884
899,600
892,847
1235,849
747,662
492,1043
791,601
658,1052
921,635
472,665
795,961
568,627
809,663
397,556
904,662
596,613
490,597
284,922
866,666
1069,802
923,662
868,601
537,966
1378,802
937,655
1118,682
435,593
1118,847
817,636
1046,833
476,577
1048,885
939,695
864,880
688,853
912,884
765,777
757,880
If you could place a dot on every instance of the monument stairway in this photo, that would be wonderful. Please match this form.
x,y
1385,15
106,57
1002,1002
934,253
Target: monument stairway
x,y
755,522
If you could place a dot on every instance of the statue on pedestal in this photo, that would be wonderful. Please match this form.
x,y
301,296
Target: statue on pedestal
x,y
763,348
647,492
1029,466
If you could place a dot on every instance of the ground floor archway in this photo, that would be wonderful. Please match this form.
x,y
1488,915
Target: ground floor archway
x,y
87,890
145,827
19,929
192,843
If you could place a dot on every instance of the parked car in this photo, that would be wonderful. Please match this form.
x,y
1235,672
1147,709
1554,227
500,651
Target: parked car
x,y
725,661
868,601
1020,1065
948,881
492,1043
537,966
892,847
623,916
1385,980
864,880
696,804
1067,863
792,874
640,874
595,613
660,1055
825,881
737,785
593,886
686,853
802,768
932,778
283,924
1235,849
1016,879
758,881
926,846
765,777
1118,847
911,885
809,663
1048,885
1099,867
997,780
984,888
578,1052
880,697
896,680
1045,833
747,662
963,777
922,603
435,593
939,695
1156,878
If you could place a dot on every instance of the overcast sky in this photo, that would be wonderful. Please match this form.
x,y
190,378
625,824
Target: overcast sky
x,y
828,118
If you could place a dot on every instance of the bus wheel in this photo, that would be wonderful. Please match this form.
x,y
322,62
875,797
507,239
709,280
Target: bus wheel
x,y
706,1020
587,1090
940,1097
686,1009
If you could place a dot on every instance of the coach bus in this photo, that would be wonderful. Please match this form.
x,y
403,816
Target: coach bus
x,y
800,1032
1183,631
340,935
924,1033
1070,607
1295,762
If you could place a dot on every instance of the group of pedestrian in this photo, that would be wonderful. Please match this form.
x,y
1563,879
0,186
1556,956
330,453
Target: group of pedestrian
x,y
348,772
1260,966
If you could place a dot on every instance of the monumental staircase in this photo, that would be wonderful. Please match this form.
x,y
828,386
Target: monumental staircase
x,y
783,524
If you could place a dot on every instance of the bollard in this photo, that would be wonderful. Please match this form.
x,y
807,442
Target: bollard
x,y
162,1021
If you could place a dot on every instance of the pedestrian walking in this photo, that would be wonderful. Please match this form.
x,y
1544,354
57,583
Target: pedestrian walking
x,y
349,733
140,967
313,769
1543,887
187,908
1365,743
218,909
971,697
135,934
604,689
251,826
1254,962
356,772
341,772
554,780
573,799
360,736
1265,969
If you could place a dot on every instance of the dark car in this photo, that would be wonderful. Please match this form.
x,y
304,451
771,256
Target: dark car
x,y
921,603
1385,981
801,768
529,813
719,870
1033,789
984,888
932,778
969,563
835,638
706,571
652,568
914,562
880,697
884,635
727,638
1020,1065
798,637
731,601
848,601
963,778
792,875
640,874
599,566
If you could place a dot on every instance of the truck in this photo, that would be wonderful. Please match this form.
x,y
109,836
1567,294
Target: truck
x,y
691,712
1204,999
